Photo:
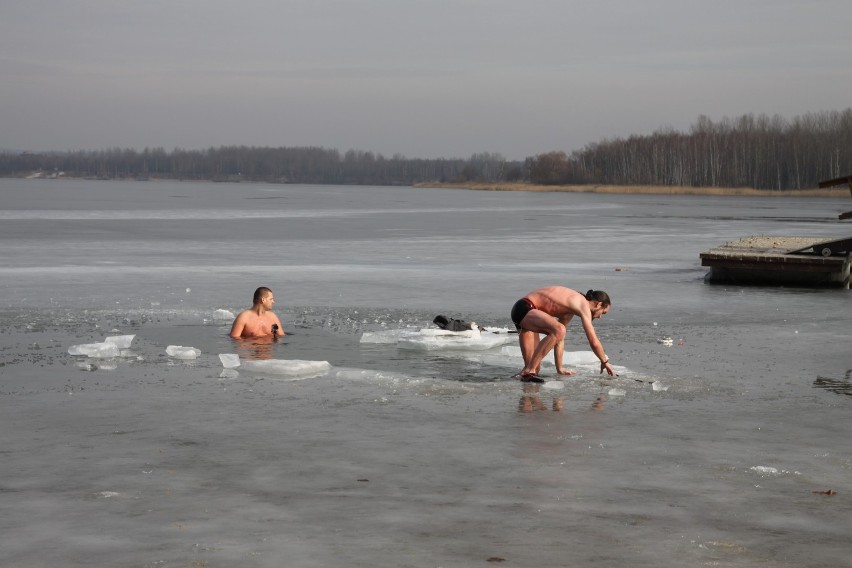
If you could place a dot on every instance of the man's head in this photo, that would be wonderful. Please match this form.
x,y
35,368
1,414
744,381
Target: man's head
x,y
599,302
261,294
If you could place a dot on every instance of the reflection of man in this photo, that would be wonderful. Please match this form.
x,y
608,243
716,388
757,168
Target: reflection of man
x,y
256,348
548,311
259,320
531,400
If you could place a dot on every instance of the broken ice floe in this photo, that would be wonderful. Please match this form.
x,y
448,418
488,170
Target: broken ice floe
x,y
122,341
181,352
111,346
101,350
440,339
223,315
283,367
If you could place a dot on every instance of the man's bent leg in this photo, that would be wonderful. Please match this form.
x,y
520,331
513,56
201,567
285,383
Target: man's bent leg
x,y
545,346
537,321
526,340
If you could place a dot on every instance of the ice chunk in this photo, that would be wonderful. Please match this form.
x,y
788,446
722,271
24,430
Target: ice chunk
x,y
181,352
428,339
441,339
123,341
102,350
658,386
229,360
554,385
286,367
223,315
617,392
110,347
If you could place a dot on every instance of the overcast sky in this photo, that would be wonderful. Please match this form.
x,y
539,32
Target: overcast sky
x,y
422,78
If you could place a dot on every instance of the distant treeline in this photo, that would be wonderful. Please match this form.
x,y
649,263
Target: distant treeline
x,y
309,165
758,152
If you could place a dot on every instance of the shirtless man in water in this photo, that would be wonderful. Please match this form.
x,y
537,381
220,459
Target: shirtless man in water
x,y
548,311
259,320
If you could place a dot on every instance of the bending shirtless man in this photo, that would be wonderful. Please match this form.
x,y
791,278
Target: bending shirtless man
x,y
259,320
548,311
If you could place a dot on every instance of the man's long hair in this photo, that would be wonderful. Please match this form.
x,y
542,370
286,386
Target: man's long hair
x,y
598,296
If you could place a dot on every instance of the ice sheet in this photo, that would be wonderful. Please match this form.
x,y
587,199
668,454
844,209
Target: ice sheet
x,y
428,339
393,457
568,358
286,367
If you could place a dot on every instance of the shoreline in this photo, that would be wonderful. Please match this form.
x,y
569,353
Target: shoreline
x,y
835,192
828,192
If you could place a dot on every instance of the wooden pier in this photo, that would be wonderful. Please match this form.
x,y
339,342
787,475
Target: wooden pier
x,y
793,261
840,181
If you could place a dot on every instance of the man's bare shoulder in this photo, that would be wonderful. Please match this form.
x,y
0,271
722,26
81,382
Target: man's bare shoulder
x,y
247,314
556,292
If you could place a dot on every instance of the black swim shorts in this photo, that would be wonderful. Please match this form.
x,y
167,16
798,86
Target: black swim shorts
x,y
520,310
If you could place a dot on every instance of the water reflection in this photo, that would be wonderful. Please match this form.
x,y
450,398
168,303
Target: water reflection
x,y
531,400
256,348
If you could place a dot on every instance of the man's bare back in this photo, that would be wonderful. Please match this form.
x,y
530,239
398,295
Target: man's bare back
x,y
558,301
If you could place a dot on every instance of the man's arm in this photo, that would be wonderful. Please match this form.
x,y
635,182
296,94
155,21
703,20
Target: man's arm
x,y
595,343
558,351
238,326
280,330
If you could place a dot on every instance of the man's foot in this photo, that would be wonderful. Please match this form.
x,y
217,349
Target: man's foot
x,y
530,378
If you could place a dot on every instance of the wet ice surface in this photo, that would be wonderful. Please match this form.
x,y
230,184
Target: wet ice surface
x,y
401,458
706,450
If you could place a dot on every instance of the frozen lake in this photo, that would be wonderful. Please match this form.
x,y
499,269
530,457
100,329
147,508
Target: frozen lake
x,y
711,450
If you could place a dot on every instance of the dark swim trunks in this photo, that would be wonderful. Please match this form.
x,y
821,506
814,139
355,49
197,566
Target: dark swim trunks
x,y
520,310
